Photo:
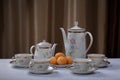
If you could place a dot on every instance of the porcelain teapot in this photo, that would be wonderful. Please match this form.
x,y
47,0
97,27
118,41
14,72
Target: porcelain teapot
x,y
75,42
43,50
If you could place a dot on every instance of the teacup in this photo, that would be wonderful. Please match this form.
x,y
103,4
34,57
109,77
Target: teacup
x,y
82,64
38,65
22,59
97,58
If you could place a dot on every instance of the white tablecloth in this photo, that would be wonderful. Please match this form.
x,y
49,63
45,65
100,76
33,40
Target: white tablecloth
x,y
7,72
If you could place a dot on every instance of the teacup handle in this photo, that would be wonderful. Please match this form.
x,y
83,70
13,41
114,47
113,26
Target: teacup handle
x,y
91,41
91,64
31,64
106,60
31,49
12,59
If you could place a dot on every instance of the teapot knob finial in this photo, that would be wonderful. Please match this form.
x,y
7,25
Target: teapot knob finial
x,y
44,40
76,23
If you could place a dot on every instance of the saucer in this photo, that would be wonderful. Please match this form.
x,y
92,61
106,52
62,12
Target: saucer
x,y
15,64
76,71
104,64
49,70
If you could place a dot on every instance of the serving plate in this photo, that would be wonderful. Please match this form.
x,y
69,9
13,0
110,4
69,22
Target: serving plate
x,y
62,66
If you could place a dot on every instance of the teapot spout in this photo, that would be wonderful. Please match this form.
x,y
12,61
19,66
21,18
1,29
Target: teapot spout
x,y
53,48
65,40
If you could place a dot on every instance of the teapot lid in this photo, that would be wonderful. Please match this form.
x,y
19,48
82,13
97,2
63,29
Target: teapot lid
x,y
76,28
44,44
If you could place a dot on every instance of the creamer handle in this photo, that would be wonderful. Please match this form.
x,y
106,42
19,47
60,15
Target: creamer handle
x,y
31,49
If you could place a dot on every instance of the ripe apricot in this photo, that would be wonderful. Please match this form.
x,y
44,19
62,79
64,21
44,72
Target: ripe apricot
x,y
59,54
53,60
69,59
62,60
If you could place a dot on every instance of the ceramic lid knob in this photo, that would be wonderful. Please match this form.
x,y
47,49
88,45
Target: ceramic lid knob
x,y
44,44
76,28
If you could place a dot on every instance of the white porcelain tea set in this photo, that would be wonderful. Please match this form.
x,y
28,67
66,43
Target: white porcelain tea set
x,y
75,46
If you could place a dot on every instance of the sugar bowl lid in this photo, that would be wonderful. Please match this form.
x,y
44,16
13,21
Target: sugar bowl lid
x,y
76,28
44,44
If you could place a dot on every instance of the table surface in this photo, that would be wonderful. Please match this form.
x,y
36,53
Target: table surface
x,y
8,72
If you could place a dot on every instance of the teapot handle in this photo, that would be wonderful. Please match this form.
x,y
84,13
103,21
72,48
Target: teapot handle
x,y
31,49
91,41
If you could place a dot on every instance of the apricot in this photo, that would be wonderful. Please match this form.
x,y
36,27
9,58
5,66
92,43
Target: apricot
x,y
57,55
62,60
69,59
53,60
